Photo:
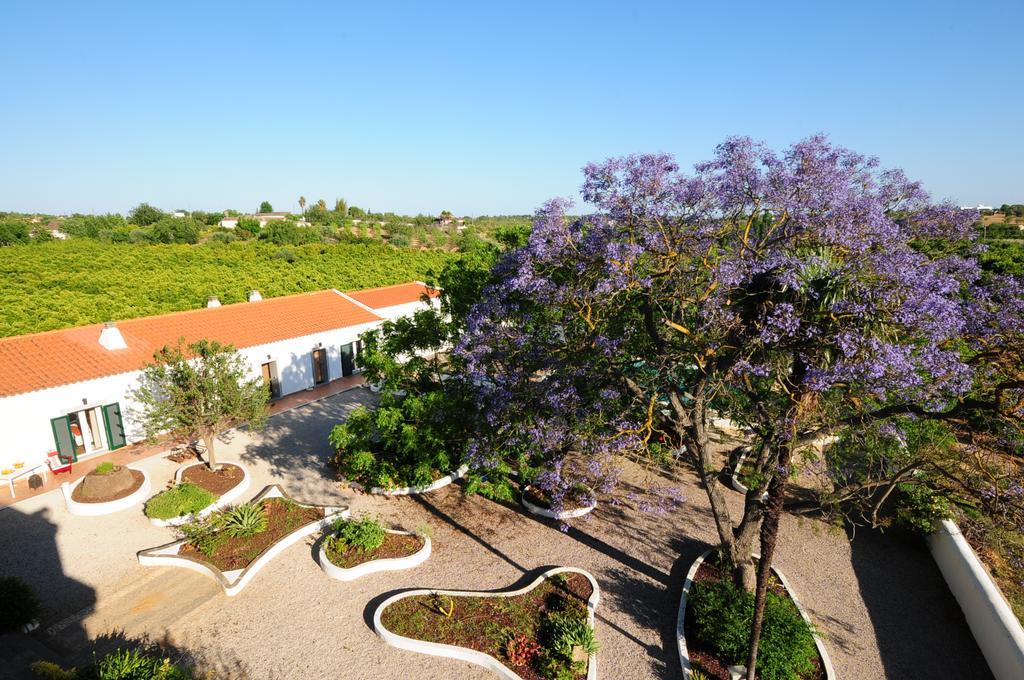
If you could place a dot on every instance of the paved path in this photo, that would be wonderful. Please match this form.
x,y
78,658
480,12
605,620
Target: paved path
x,y
882,605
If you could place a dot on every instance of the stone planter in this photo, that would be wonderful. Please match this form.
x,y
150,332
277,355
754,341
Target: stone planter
x,y
413,490
684,657
734,479
225,500
541,511
470,655
232,582
373,566
106,507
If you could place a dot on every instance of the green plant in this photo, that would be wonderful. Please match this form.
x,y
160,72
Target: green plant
x,y
104,468
364,534
51,671
18,604
722,615
205,533
245,520
696,674
182,499
137,665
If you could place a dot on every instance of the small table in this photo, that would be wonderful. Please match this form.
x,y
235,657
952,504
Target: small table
x,y
22,472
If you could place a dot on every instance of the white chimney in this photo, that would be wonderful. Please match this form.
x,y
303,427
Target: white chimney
x,y
111,338
213,301
254,296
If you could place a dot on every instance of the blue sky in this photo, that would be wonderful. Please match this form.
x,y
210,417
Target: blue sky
x,y
484,107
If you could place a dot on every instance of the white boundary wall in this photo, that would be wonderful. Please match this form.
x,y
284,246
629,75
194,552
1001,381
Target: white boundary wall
x,y
995,628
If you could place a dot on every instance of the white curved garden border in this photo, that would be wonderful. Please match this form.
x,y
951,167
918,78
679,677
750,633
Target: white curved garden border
x,y
107,507
373,566
233,494
684,657
233,581
471,655
413,490
547,512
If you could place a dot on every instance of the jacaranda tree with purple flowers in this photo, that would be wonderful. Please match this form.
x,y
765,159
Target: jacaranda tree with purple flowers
x,y
779,290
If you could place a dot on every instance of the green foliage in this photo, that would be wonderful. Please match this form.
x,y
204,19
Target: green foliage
x,y
13,231
138,665
364,534
204,533
560,631
318,214
90,226
722,615
104,468
199,391
18,604
144,215
176,230
223,237
245,520
183,499
265,207
286,232
51,671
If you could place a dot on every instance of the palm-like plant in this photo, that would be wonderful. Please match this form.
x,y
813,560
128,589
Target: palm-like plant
x,y
302,204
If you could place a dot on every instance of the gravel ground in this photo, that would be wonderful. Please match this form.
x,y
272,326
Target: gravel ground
x,y
881,604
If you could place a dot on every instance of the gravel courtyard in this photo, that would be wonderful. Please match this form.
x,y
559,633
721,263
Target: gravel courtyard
x,y
880,604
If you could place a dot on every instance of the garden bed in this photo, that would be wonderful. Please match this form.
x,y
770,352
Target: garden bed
x,y
224,486
233,561
106,502
697,654
538,503
509,633
398,550
743,468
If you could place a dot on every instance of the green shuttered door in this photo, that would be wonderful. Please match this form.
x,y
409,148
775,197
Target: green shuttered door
x,y
63,438
115,428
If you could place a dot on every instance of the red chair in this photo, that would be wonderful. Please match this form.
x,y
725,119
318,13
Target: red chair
x,y
58,464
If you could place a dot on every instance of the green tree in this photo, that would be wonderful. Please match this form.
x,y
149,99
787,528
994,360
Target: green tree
x,y
199,391
340,206
13,231
144,215
265,207
176,230
354,211
302,204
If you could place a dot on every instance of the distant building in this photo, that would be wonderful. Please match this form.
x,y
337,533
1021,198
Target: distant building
x,y
178,213
978,207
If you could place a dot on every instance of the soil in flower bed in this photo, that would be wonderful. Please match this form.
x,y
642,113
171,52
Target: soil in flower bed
x,y
78,495
485,623
218,482
705,659
283,517
394,546
541,499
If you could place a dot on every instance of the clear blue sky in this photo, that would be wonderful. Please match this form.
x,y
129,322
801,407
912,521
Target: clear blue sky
x,y
484,107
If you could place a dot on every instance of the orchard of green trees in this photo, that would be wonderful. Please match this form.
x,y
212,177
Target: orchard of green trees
x,y
68,283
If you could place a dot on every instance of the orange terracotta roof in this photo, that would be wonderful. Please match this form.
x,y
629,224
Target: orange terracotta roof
x,y
389,296
41,360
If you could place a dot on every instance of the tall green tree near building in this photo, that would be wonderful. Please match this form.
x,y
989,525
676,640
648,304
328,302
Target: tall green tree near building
x,y
144,215
198,391
266,207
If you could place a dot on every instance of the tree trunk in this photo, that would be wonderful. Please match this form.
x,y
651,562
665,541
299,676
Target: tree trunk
x,y
211,460
769,536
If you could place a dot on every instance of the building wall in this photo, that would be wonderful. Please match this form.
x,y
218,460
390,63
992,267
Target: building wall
x,y
25,418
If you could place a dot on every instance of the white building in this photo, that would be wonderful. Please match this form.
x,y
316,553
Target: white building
x,y
70,390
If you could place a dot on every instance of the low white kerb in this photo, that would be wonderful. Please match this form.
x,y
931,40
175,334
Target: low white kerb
x,y
373,566
412,490
471,655
233,494
547,512
106,507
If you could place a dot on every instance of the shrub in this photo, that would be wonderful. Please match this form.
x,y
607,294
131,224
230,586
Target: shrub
x,y
182,499
223,237
245,520
137,665
364,534
204,533
285,254
51,671
18,604
560,632
104,468
722,616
